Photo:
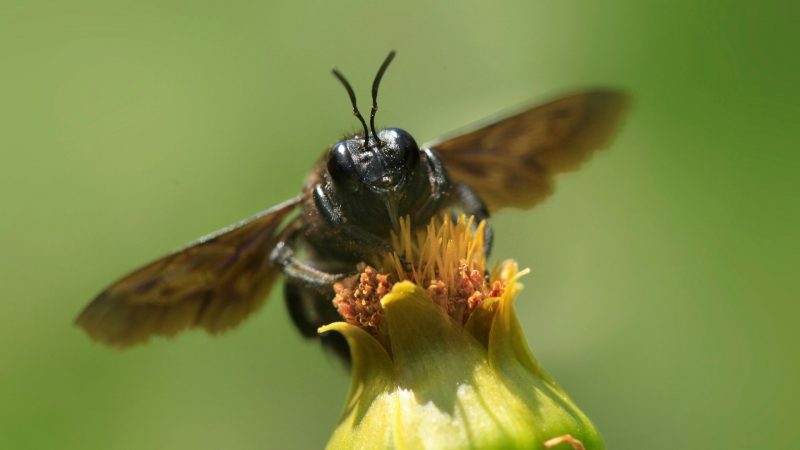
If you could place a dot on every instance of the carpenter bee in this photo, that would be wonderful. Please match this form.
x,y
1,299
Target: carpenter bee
x,y
351,202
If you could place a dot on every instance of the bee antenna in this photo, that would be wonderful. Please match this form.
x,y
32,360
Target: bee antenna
x,y
375,85
352,95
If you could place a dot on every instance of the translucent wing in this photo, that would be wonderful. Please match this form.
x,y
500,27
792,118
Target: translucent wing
x,y
511,161
213,283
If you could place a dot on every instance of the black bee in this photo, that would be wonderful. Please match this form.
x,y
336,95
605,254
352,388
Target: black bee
x,y
351,202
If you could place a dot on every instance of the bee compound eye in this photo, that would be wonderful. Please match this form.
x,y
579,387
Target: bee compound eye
x,y
411,158
405,146
341,167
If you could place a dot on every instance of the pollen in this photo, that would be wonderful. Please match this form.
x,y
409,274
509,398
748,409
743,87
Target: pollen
x,y
358,298
446,258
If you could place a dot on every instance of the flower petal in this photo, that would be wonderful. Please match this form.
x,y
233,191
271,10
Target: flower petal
x,y
554,413
363,422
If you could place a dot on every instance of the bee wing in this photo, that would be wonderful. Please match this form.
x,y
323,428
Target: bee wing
x,y
213,283
511,161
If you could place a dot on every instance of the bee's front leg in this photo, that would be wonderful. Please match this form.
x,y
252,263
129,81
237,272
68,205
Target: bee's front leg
x,y
299,271
474,205
441,188
438,184
359,240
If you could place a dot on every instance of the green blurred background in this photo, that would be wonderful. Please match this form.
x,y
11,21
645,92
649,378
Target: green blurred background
x,y
664,293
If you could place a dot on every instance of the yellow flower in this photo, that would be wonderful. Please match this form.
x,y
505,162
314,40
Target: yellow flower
x,y
439,358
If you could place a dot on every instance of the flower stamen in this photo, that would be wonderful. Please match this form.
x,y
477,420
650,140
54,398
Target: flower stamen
x,y
445,258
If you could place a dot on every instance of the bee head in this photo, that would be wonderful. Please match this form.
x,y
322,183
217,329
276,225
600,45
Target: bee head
x,y
380,163
382,166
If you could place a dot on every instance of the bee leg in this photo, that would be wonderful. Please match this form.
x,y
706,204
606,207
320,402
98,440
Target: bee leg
x,y
439,186
361,241
474,205
301,272
309,309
